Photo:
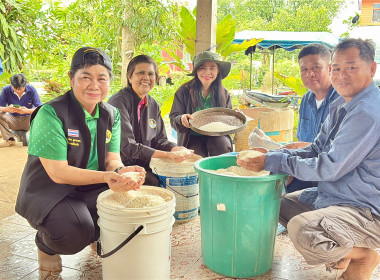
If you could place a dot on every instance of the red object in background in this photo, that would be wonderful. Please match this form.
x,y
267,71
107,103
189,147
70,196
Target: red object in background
x,y
290,92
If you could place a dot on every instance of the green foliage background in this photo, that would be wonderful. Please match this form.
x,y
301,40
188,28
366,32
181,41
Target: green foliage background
x,y
38,37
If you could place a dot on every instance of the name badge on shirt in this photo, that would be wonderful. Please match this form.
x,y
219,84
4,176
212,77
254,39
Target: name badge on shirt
x,y
152,123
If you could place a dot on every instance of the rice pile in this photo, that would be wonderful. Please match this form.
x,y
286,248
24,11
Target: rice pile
x,y
133,199
217,127
239,171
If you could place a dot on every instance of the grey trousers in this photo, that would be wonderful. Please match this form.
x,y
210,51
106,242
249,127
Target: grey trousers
x,y
71,225
327,235
9,122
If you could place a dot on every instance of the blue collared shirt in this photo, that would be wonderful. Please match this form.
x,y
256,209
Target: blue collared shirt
x,y
344,158
29,99
311,118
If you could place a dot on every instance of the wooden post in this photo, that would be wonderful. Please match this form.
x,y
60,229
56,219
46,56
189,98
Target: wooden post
x,y
206,26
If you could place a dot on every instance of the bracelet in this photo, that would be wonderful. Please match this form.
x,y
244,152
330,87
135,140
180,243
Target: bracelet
x,y
118,169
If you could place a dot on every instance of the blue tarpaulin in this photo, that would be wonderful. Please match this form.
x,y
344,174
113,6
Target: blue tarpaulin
x,y
286,39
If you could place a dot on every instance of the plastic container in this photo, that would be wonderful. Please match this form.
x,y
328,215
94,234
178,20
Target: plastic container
x,y
239,217
182,180
147,254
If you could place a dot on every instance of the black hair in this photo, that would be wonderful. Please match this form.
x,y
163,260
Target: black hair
x,y
137,60
320,49
366,48
90,59
217,92
18,81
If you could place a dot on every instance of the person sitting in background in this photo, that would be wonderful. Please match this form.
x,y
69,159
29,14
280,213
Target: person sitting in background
x,y
337,223
73,157
314,61
204,91
17,102
143,134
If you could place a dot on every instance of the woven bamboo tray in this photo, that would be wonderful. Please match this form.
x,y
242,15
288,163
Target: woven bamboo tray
x,y
225,115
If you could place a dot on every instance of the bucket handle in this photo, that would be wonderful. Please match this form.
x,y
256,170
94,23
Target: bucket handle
x,y
169,187
121,245
186,196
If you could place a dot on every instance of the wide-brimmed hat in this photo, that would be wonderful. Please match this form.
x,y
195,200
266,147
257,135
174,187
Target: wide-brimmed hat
x,y
79,55
206,56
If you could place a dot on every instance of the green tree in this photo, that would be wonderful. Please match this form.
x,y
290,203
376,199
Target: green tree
x,y
17,19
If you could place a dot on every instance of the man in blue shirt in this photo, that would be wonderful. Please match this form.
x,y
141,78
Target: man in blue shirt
x,y
338,223
314,61
17,103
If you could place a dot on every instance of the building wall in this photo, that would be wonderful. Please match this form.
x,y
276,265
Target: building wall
x,y
367,12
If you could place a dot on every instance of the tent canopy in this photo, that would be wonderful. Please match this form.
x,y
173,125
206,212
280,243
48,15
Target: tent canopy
x,y
287,39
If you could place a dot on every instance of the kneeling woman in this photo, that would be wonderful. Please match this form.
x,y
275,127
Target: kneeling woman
x,y
143,134
73,155
204,91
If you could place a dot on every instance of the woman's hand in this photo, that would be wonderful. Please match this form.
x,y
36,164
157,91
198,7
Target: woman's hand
x,y
175,157
119,183
185,120
135,168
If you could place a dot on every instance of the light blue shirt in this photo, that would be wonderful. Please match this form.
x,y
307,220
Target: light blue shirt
x,y
344,158
310,118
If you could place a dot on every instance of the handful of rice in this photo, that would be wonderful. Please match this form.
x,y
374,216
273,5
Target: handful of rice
x,y
183,152
244,155
135,176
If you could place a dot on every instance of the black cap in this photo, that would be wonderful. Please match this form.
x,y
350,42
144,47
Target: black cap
x,y
79,55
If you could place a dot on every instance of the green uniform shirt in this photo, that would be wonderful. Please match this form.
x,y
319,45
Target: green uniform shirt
x,y
207,105
47,138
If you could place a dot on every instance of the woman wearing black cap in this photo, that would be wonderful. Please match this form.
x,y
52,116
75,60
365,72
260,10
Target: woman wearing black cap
x,y
73,156
143,134
204,91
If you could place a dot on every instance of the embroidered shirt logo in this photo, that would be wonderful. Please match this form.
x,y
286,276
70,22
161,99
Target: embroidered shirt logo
x,y
108,136
73,132
152,123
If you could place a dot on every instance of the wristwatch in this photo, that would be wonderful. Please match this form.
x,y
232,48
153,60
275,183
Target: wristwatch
x,y
118,169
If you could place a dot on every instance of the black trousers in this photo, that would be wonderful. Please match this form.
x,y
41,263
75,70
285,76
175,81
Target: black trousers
x,y
206,146
72,224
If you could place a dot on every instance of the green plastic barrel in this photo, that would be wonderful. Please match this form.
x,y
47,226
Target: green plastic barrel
x,y
239,218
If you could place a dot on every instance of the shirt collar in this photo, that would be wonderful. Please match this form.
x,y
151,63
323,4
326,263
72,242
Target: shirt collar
x,y
143,101
87,114
359,96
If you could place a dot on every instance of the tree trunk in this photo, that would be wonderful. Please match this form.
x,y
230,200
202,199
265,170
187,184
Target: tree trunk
x,y
128,50
127,43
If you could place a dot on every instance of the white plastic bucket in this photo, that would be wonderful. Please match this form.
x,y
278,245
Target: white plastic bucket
x,y
182,180
147,234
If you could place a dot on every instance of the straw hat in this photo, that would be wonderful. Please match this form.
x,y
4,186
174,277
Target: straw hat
x,y
206,56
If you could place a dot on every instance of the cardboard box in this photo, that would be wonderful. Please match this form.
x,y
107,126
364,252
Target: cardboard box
x,y
276,123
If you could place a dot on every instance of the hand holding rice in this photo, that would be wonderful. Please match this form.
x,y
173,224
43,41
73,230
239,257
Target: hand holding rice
x,y
251,160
